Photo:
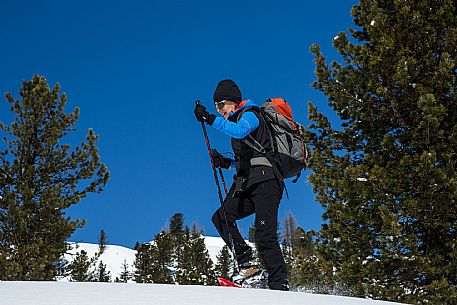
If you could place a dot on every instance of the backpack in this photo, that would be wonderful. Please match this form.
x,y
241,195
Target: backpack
x,y
287,137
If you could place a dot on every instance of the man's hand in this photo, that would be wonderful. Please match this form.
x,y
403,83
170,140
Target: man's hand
x,y
219,160
202,115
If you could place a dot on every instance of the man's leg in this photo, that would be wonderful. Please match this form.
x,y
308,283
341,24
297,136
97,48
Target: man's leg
x,y
235,208
266,198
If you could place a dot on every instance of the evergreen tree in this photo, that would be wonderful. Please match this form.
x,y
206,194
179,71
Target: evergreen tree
x,y
125,275
177,224
162,258
224,264
153,261
39,178
184,263
79,269
387,176
195,266
143,264
251,233
101,274
177,234
101,242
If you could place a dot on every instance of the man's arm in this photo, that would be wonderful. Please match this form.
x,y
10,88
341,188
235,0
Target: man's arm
x,y
245,125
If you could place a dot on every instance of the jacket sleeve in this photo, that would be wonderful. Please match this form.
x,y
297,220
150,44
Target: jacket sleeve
x,y
245,125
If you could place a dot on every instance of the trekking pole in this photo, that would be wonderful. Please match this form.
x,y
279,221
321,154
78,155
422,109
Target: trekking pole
x,y
223,181
232,244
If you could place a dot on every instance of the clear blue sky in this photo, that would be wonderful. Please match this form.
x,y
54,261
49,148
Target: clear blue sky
x,y
135,69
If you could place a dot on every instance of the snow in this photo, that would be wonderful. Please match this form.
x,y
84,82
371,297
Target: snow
x,y
215,244
68,293
77,293
113,257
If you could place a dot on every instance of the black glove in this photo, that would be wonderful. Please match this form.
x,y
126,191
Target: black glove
x,y
202,115
219,160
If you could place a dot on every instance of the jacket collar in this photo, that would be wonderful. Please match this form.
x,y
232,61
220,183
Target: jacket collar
x,y
243,104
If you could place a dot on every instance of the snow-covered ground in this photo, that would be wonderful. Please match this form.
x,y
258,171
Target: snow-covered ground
x,y
58,293
73,293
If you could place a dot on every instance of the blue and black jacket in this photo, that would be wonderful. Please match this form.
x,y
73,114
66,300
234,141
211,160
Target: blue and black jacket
x,y
245,121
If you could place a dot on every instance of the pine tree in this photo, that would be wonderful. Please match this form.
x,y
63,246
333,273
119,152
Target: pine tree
x,y
177,234
101,242
101,274
203,267
177,224
125,275
40,177
387,175
251,233
195,266
224,264
153,261
79,269
143,264
184,263
162,258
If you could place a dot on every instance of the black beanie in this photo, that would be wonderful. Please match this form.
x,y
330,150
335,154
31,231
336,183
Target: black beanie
x,y
227,90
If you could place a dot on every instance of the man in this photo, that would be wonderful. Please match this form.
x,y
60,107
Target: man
x,y
256,188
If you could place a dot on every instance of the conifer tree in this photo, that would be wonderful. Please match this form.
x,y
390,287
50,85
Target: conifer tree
x,y
102,242
162,258
177,224
79,269
177,234
387,176
102,274
251,233
195,266
203,267
143,264
40,177
184,263
125,275
224,264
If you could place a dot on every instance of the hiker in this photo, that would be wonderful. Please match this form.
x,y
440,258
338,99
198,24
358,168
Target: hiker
x,y
256,188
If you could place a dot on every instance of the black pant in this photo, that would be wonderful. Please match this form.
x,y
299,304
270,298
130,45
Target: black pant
x,y
263,200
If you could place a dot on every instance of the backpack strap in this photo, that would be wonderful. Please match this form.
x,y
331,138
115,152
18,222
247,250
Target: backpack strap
x,y
267,160
250,140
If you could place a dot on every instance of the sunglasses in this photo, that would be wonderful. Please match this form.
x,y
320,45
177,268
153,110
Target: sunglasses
x,y
220,105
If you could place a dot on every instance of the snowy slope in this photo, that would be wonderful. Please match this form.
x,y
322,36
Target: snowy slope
x,y
215,244
113,256
57,293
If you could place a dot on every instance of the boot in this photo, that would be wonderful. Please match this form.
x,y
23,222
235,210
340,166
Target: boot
x,y
247,270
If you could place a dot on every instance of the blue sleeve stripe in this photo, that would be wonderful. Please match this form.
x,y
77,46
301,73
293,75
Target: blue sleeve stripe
x,y
246,124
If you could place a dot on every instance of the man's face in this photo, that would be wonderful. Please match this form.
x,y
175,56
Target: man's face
x,y
225,108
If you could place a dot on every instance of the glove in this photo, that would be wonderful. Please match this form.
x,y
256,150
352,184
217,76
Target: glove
x,y
202,115
219,160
